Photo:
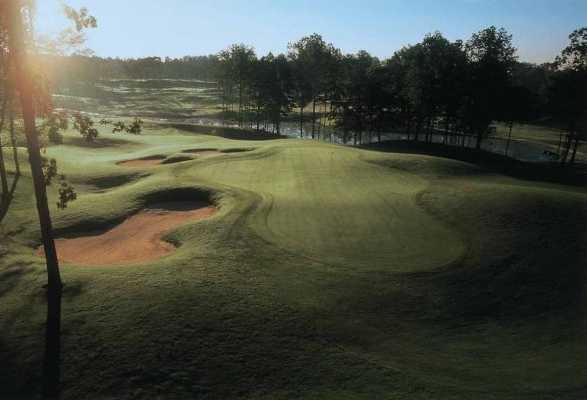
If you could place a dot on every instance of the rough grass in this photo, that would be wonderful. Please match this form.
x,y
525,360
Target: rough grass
x,y
329,273
157,99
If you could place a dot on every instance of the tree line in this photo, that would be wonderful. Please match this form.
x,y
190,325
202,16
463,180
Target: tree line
x,y
457,89
435,87
64,70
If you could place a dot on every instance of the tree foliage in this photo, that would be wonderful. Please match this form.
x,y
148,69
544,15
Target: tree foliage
x,y
53,124
574,56
85,126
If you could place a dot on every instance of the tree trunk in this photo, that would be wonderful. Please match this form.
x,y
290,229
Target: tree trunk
x,y
507,146
302,119
258,116
278,123
3,176
313,117
575,146
479,139
223,113
319,130
322,127
566,149
14,147
7,196
409,130
448,139
240,103
51,362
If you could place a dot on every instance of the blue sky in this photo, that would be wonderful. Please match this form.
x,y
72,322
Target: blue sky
x,y
136,28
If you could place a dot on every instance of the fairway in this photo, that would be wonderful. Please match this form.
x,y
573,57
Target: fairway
x,y
327,272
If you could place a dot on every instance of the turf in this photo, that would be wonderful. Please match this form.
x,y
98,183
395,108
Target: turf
x,y
328,273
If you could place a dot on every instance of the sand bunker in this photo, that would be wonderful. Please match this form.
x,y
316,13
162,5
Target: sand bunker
x,y
146,162
137,239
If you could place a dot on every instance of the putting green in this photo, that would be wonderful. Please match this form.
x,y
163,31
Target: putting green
x,y
330,204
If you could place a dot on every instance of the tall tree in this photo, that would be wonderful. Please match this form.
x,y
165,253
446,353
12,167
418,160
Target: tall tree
x,y
21,69
6,119
574,56
518,105
302,91
492,56
315,65
238,60
16,24
568,92
357,95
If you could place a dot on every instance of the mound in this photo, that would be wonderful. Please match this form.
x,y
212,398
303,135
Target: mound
x,y
137,239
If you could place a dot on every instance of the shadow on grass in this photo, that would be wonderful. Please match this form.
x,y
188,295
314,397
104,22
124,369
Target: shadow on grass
x,y
98,143
6,198
228,132
539,171
21,345
22,328
110,181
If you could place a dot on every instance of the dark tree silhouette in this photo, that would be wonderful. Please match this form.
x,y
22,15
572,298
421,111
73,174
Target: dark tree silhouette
x,y
315,62
492,57
568,92
20,87
24,85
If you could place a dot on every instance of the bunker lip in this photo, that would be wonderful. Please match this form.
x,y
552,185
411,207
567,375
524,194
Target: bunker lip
x,y
206,152
216,152
137,239
145,162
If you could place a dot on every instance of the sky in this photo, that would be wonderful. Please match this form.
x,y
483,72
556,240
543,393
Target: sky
x,y
175,28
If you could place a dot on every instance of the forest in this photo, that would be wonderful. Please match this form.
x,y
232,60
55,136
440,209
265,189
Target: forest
x,y
454,89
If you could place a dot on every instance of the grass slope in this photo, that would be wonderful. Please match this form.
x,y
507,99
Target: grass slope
x,y
329,273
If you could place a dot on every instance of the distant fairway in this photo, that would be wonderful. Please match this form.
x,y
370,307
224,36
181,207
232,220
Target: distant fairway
x,y
328,273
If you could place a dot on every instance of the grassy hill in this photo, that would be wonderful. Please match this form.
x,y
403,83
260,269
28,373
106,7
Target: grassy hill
x,y
329,273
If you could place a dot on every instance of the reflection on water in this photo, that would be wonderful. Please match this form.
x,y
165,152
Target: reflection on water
x,y
520,150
